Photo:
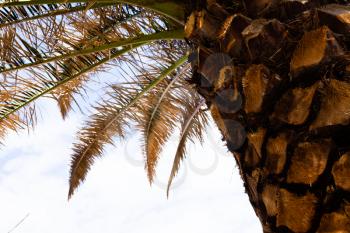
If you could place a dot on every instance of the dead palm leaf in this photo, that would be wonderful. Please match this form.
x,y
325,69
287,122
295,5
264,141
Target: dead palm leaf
x,y
52,49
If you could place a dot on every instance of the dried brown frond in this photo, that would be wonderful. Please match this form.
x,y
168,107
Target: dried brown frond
x,y
39,39
53,50
109,120
11,123
160,116
193,124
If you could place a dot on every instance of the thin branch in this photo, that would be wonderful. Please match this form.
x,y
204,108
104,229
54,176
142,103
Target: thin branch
x,y
19,223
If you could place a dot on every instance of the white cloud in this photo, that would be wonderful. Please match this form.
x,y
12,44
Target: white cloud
x,y
116,196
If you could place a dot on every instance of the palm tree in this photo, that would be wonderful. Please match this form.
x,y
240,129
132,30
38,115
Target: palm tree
x,y
274,74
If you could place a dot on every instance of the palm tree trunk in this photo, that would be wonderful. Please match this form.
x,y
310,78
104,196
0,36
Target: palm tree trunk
x,y
276,76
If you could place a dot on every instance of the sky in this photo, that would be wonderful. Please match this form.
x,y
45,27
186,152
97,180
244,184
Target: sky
x,y
207,195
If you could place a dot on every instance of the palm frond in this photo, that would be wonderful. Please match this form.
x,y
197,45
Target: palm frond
x,y
65,90
108,122
159,121
32,58
176,34
22,14
28,95
52,49
172,9
11,123
191,127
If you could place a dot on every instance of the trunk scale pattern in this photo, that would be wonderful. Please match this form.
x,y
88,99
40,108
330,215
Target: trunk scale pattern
x,y
276,76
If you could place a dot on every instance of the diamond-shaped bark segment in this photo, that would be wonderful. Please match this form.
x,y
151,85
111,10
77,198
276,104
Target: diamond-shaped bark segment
x,y
252,185
335,106
341,172
270,198
232,38
254,7
308,162
190,25
276,154
202,25
212,67
294,107
290,8
336,17
313,49
263,39
255,84
253,153
337,222
295,212
236,134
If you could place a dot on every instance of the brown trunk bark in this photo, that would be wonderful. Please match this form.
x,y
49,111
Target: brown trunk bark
x,y
276,75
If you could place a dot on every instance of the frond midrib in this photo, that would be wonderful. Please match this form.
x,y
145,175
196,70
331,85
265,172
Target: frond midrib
x,y
64,81
170,8
174,34
53,13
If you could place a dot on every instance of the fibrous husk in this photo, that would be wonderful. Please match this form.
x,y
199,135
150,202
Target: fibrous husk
x,y
253,153
335,105
233,39
336,16
257,83
263,39
341,172
276,154
308,162
315,47
255,7
254,87
337,222
270,198
295,212
294,107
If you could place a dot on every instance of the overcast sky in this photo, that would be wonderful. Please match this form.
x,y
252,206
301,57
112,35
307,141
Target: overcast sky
x,y
208,195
